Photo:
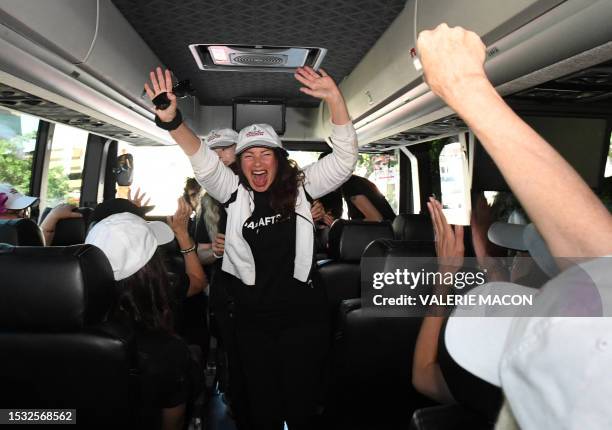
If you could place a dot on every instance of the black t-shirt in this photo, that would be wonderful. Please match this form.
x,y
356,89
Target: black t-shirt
x,y
200,234
356,185
276,296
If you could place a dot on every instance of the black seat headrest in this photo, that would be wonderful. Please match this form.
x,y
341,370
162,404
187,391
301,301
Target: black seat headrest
x,y
20,232
413,227
385,248
54,289
348,239
70,231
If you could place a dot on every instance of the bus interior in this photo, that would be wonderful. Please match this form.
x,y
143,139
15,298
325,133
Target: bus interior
x,y
73,109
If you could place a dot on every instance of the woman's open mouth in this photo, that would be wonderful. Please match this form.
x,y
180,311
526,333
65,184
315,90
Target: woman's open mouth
x,y
260,178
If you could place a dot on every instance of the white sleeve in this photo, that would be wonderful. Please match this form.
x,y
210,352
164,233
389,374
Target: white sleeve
x,y
330,172
212,174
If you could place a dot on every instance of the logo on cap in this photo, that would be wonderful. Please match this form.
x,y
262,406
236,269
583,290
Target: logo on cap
x,y
254,133
213,136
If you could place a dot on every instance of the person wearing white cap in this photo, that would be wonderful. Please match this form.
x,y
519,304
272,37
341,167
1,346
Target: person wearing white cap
x,y
14,205
210,233
552,366
130,245
281,316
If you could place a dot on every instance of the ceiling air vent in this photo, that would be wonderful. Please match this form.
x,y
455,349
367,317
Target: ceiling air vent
x,y
255,58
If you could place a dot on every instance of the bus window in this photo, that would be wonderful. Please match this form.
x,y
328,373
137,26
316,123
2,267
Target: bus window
x,y
17,144
304,158
159,171
383,171
63,182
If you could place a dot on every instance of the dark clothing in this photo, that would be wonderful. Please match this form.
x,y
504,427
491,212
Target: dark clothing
x,y
281,325
283,368
200,232
332,202
165,362
355,186
169,376
468,390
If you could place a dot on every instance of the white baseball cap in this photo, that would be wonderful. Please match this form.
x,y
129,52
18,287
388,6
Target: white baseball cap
x,y
221,138
258,135
552,360
12,199
524,238
128,241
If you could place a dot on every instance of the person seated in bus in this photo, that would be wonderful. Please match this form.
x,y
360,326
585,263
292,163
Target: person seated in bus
x,y
169,374
427,376
14,205
569,216
281,320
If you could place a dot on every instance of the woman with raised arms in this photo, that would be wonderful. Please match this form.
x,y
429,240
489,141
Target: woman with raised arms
x,y
281,316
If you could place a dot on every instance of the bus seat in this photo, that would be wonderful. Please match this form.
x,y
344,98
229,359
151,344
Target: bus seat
x,y
447,417
56,349
347,240
413,227
72,231
373,348
20,232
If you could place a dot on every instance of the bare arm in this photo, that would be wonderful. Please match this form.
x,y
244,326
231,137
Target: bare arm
x,y
193,268
365,206
566,212
426,374
58,213
427,377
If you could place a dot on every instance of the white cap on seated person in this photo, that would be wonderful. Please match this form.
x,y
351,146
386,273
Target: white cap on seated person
x,y
258,135
128,241
553,361
221,138
12,199
524,238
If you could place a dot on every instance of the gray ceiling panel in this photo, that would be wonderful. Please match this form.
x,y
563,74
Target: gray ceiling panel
x,y
347,28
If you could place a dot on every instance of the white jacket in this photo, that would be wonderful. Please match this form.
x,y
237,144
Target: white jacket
x,y
321,177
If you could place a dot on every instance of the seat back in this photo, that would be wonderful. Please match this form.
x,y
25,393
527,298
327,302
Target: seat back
x,y
374,348
72,231
413,227
347,241
55,348
20,232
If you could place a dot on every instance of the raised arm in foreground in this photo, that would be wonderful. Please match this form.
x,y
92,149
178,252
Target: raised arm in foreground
x,y
567,213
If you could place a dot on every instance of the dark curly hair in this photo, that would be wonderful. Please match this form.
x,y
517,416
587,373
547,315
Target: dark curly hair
x,y
142,299
284,188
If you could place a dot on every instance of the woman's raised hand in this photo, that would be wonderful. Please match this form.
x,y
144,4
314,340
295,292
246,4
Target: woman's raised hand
x,y
161,82
139,198
449,241
180,220
317,84
322,86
